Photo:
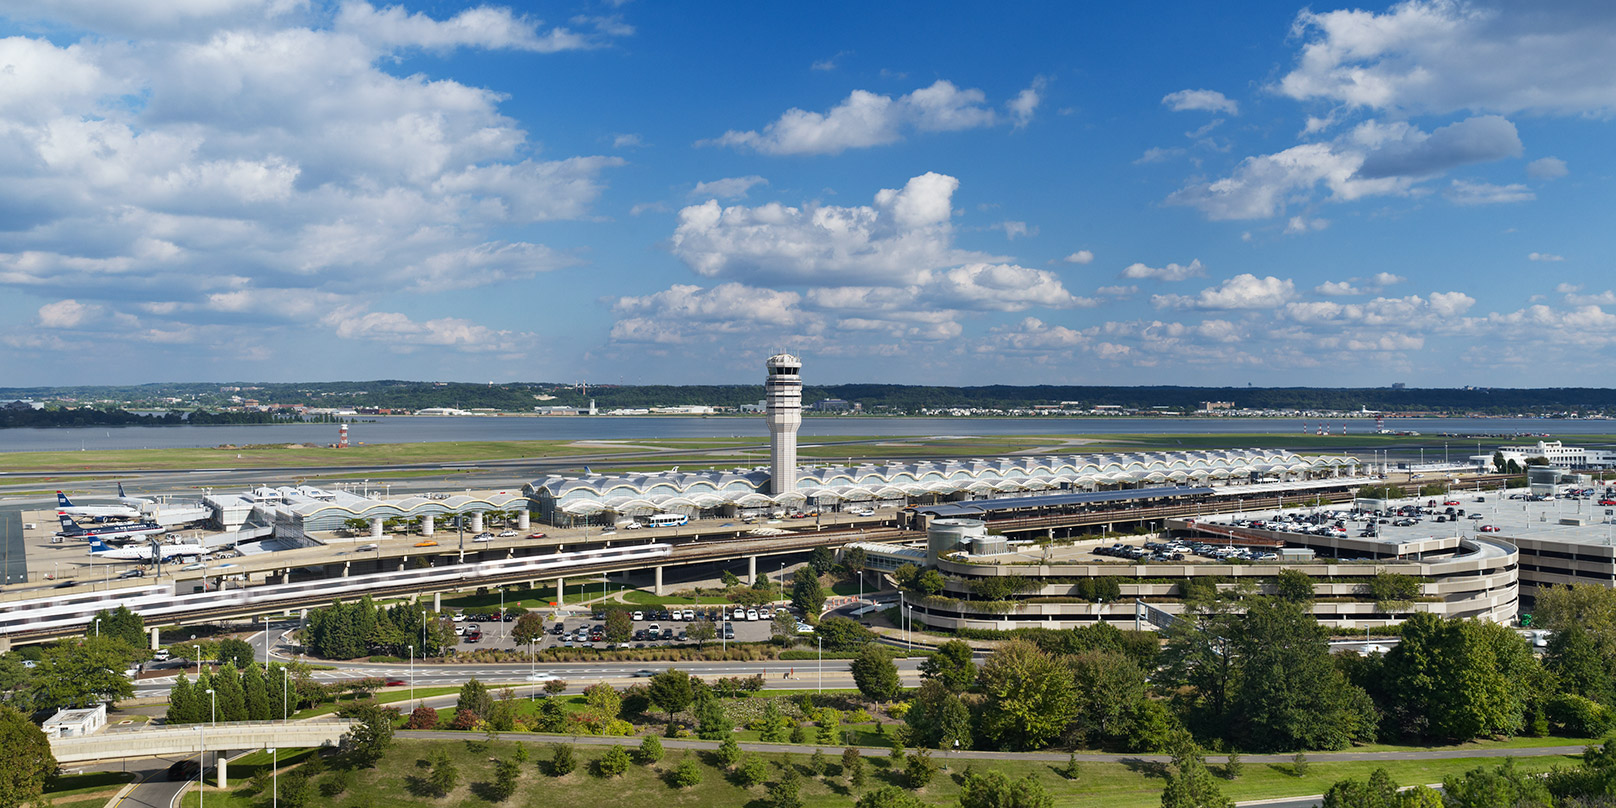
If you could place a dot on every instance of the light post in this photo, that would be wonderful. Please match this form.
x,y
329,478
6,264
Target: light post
x,y
412,672
502,612
532,670
213,708
909,613
423,634
286,689
198,650
201,764
98,627
266,643
821,641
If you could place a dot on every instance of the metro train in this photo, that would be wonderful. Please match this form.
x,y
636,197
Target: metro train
x,y
156,602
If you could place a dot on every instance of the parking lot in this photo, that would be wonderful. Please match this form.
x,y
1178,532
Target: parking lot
x,y
580,629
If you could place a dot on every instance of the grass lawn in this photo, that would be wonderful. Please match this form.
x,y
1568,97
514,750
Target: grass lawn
x,y
398,780
849,588
282,455
385,697
90,788
640,597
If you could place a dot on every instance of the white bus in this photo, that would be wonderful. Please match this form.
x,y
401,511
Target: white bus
x,y
667,520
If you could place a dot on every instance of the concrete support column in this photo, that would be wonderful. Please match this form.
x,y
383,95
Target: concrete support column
x,y
376,528
657,589
154,645
346,565
222,765
477,522
524,520
561,591
437,602
751,570
428,524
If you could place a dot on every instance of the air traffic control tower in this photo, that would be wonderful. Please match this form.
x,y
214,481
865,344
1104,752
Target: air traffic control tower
x,y
783,393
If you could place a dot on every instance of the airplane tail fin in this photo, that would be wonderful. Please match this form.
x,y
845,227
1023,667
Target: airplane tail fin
x,y
62,501
121,494
69,527
98,546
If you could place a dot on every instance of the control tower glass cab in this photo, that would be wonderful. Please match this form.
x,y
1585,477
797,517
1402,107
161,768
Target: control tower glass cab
x,y
783,397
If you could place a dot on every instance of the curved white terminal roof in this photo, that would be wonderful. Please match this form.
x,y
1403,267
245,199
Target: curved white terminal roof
x,y
594,494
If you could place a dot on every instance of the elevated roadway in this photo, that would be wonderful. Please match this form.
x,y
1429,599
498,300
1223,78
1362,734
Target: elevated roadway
x,y
193,739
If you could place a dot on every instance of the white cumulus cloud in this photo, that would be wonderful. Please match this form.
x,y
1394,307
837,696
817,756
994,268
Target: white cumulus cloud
x,y
1204,100
728,187
1079,257
1243,291
1170,272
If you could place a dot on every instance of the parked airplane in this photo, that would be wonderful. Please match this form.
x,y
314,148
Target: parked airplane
x,y
133,502
145,552
65,505
71,530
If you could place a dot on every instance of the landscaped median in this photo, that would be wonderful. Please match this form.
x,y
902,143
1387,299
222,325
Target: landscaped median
x,y
403,776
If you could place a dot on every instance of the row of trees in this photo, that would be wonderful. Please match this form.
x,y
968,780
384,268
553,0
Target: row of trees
x,y
362,628
249,694
1256,672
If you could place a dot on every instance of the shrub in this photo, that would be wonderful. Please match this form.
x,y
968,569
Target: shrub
x,y
444,775
1299,764
650,749
422,717
563,760
919,769
818,763
687,773
798,734
785,794
728,752
1232,768
613,763
752,771
464,720
853,767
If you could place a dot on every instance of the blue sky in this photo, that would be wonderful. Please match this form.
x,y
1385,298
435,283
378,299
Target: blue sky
x,y
1070,193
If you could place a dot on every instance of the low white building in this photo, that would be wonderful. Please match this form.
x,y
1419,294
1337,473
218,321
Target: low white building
x,y
1560,455
73,723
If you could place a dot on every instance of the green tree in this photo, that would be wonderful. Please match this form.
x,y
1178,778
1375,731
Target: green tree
x,y
444,776
181,702
787,793
806,593
78,673
504,785
1291,695
727,752
1294,585
843,634
619,625
1393,592
235,651
919,769
255,693
528,628
1457,679
702,632
1030,697
994,790
937,717
563,760
822,560
687,773
711,722
122,625
1197,663
1189,783
614,762
752,771
650,749
853,767
875,674
1502,786
952,665
26,761
929,582
1378,791
783,627
296,789
1574,659
604,700
372,732
474,696
671,692
1109,686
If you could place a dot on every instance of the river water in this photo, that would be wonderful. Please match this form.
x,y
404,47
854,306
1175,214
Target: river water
x,y
424,429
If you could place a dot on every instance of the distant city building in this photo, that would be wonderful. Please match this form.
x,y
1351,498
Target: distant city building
x,y
1211,406
1574,457
833,405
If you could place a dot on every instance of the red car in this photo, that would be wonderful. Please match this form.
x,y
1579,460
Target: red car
x,y
1607,502
396,683
1488,529
535,535
1451,502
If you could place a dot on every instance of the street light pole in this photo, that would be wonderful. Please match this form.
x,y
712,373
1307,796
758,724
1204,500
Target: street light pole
x,y
201,765
821,663
198,650
412,672
98,627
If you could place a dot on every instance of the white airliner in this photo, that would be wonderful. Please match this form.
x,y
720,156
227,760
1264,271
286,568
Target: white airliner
x,y
138,503
144,552
65,505
71,530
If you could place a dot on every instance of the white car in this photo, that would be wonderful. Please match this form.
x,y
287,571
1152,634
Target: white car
x,y
688,615
633,526
639,616
864,512
482,537
740,614
507,534
751,614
